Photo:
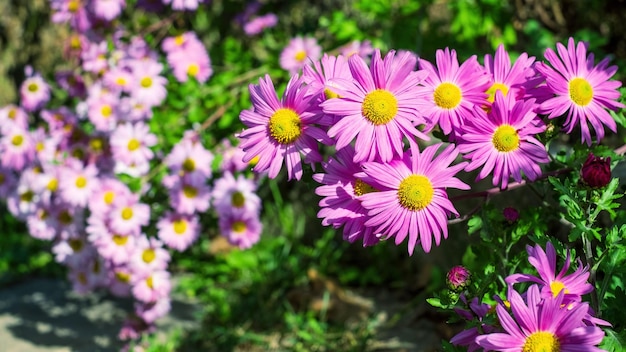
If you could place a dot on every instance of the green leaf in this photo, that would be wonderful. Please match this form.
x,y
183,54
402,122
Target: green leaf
x,y
474,224
614,341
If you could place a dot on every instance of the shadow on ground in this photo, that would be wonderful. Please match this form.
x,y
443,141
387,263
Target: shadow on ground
x,y
45,315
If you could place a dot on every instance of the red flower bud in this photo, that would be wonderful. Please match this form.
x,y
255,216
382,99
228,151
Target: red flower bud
x,y
510,214
458,278
596,171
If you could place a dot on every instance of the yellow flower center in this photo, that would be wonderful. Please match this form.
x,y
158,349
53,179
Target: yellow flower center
x,y
33,87
17,140
96,144
541,341
127,213
133,145
120,81
120,240
65,217
75,244
254,160
12,113
122,277
379,106
27,196
193,70
146,82
237,199
39,146
81,182
109,197
179,40
190,191
239,226
329,94
494,88
448,95
180,226
53,184
189,165
415,192
505,138
148,255
284,126
78,153
82,278
73,5
556,287
106,110
149,282
300,56
361,188
580,91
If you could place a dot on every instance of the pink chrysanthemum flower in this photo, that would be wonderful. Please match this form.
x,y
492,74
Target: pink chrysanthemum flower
x,y
581,89
77,185
516,79
503,141
189,157
72,11
148,256
119,79
25,198
180,42
379,107
452,91
178,231
188,194
280,130
241,230
411,199
95,57
342,191
17,148
108,194
542,325
232,194
258,24
152,287
149,87
12,115
130,143
107,9
41,225
574,285
120,278
356,47
190,60
182,5
295,55
320,78
129,216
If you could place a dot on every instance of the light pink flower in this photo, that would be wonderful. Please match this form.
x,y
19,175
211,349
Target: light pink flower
x,y
178,231
298,52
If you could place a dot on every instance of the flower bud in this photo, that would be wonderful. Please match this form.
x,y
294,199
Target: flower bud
x,y
596,171
510,214
458,278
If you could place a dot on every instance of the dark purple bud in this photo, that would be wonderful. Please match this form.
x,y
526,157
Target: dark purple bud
x,y
596,171
510,214
458,278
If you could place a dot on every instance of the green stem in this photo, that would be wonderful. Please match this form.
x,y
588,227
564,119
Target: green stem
x,y
589,257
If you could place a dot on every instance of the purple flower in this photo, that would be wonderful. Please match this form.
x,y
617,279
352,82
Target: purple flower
x,y
34,93
107,9
295,55
241,229
258,24
232,194
280,130
581,89
542,324
178,231
378,107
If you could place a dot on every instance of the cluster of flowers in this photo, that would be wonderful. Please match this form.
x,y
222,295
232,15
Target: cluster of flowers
x,y
62,176
375,186
83,15
548,316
